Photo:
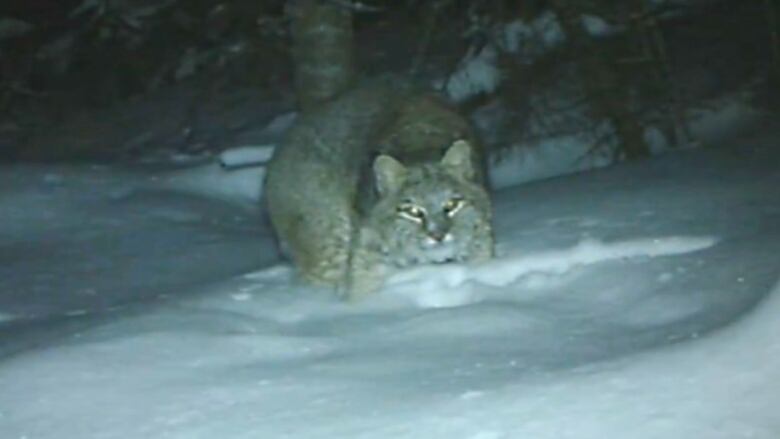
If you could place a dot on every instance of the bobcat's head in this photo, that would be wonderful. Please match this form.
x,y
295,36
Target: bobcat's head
x,y
433,212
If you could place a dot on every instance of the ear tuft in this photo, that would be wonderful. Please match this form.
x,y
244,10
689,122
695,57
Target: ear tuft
x,y
390,174
458,161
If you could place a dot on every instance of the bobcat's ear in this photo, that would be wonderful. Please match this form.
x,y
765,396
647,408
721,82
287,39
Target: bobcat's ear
x,y
390,174
457,160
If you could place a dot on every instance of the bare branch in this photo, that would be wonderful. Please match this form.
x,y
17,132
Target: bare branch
x,y
356,6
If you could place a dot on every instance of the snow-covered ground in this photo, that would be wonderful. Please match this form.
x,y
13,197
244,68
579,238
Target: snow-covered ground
x,y
630,302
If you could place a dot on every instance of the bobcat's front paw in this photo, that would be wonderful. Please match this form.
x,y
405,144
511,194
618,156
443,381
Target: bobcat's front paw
x,y
357,287
362,280
482,247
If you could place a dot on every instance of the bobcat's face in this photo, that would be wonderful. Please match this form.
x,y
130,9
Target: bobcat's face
x,y
431,213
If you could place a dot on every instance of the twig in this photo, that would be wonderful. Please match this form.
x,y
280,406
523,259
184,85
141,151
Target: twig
x,y
657,45
356,6
774,36
427,38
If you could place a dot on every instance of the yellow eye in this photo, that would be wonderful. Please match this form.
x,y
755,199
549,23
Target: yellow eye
x,y
452,206
412,212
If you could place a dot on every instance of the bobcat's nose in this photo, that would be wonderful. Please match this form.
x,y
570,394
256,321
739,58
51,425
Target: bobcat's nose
x,y
437,230
437,237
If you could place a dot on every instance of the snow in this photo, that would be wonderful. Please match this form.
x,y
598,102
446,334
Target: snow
x,y
546,158
723,119
6,317
529,40
636,301
477,73
551,156
597,26
280,124
246,155
93,238
573,149
241,185
433,286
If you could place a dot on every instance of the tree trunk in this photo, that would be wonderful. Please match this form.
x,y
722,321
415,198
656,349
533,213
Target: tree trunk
x,y
322,51
773,16
607,95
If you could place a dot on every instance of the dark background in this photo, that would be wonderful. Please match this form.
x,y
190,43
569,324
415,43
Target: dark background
x,y
103,80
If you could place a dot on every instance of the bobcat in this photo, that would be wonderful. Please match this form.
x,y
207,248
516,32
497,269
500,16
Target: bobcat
x,y
381,178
